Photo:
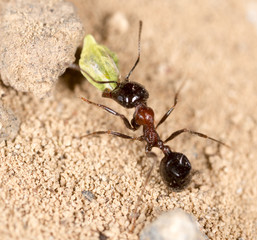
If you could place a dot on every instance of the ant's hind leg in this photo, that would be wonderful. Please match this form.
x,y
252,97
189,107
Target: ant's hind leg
x,y
117,134
134,215
176,133
109,110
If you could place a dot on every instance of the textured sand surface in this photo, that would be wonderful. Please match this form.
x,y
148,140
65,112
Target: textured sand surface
x,y
212,45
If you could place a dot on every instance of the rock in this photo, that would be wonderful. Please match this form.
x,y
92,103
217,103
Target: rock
x,y
173,225
38,42
9,124
88,195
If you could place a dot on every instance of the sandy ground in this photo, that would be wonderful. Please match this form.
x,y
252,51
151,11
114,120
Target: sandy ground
x,y
212,46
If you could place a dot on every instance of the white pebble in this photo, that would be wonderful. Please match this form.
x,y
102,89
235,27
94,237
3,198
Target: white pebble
x,y
17,146
173,225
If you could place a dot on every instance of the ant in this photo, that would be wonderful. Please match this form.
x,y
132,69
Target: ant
x,y
174,167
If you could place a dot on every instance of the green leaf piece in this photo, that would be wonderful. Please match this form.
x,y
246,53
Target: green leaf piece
x,y
100,63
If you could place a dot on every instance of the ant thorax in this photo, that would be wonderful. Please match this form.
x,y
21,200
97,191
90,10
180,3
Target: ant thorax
x,y
144,115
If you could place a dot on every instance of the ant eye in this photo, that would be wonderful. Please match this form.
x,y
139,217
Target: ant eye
x,y
175,170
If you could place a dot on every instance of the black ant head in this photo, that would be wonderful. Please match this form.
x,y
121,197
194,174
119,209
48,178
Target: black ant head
x,y
129,94
175,170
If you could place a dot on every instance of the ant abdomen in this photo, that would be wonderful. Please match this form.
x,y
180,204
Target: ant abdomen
x,y
175,170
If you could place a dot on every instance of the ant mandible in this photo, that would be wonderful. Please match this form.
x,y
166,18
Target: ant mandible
x,y
174,167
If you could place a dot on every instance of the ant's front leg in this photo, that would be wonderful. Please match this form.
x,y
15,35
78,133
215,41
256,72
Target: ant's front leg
x,y
166,115
109,110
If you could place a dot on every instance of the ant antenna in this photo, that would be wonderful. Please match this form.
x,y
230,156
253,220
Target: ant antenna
x,y
138,58
79,69
99,82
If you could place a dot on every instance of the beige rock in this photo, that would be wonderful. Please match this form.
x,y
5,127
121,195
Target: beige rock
x,y
38,42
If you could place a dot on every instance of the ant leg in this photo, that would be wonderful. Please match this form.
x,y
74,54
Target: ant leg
x,y
176,133
165,116
134,214
117,134
109,110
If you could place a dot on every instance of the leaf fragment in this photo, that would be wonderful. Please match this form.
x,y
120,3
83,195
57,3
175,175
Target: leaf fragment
x,y
100,63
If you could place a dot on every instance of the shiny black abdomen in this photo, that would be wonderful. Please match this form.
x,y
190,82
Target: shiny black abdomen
x,y
175,170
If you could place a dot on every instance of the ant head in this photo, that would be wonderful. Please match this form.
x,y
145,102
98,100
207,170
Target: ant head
x,y
129,94
175,170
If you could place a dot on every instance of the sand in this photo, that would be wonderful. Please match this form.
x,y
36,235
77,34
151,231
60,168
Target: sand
x,y
55,186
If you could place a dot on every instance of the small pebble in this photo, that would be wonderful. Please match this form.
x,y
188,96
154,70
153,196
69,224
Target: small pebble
x,y
239,191
173,225
88,195
17,146
9,124
66,141
102,236
117,23
251,13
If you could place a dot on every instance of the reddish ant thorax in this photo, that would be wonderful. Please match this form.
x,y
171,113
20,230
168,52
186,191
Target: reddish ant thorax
x,y
144,115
